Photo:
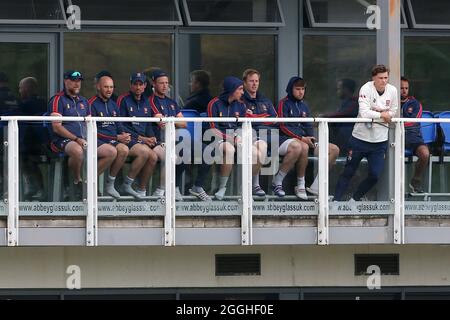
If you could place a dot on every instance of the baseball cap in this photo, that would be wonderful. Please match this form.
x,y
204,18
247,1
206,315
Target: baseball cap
x,y
158,73
138,76
73,75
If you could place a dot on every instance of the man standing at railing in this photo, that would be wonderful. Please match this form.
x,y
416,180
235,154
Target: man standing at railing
x,y
378,100
70,136
296,140
258,106
412,108
109,133
133,104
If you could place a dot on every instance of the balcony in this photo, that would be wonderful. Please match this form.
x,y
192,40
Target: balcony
x,y
389,215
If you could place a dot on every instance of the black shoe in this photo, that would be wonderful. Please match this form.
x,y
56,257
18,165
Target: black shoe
x,y
416,186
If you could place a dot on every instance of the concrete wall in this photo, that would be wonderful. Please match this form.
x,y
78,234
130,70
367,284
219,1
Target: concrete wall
x,y
159,267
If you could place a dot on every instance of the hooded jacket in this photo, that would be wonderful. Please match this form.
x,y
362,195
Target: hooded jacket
x,y
219,107
290,107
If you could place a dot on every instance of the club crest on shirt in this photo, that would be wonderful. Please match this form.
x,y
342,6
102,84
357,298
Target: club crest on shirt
x,y
410,110
172,107
303,114
220,114
131,109
374,100
81,106
264,107
68,106
114,113
101,114
145,110
236,114
388,102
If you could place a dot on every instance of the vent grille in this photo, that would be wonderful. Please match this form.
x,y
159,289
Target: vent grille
x,y
238,264
388,263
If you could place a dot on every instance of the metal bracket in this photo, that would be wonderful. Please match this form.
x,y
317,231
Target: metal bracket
x,y
169,220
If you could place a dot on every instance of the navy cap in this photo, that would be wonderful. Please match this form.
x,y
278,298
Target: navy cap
x,y
138,76
158,73
73,75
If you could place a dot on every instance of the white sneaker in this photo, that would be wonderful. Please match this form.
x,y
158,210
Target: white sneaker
x,y
300,193
200,193
159,192
220,194
129,190
110,190
312,191
142,193
178,195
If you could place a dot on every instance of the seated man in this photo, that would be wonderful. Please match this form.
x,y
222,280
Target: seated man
x,y
412,108
227,105
143,140
200,95
163,106
70,136
111,133
301,134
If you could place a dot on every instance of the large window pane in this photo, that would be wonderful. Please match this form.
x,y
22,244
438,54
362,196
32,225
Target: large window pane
x,y
427,66
328,59
436,12
224,55
233,11
133,10
120,54
31,10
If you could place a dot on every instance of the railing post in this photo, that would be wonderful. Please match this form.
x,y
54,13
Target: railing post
x,y
169,220
13,183
399,191
247,198
92,201
322,220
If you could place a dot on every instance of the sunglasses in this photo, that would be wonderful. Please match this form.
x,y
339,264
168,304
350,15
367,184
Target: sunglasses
x,y
76,75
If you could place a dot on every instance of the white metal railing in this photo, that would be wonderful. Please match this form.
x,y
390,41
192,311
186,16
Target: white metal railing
x,y
12,145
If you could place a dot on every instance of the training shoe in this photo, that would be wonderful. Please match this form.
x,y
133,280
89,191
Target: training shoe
x,y
312,191
220,194
300,193
258,191
130,191
278,190
178,195
159,192
199,193
416,186
110,190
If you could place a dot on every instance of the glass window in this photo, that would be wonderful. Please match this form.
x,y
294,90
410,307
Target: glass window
x,y
120,54
426,14
30,10
428,69
344,13
233,12
224,55
132,11
328,59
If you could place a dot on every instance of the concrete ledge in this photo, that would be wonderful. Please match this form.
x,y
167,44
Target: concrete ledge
x,y
130,236
208,236
52,237
360,235
427,235
292,235
3,238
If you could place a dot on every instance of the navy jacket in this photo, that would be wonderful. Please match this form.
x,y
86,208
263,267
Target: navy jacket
x,y
198,101
261,107
68,106
219,107
412,108
290,107
166,107
106,130
129,107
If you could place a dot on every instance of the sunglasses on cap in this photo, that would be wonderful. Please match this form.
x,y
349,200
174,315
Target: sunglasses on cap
x,y
76,75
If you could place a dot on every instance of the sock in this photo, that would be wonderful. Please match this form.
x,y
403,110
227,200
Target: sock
x,y
279,177
223,182
301,182
315,184
110,180
128,180
255,180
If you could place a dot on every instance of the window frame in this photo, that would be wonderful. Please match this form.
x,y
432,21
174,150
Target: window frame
x,y
315,24
416,25
232,24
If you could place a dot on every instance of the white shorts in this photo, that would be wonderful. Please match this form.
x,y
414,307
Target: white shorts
x,y
282,150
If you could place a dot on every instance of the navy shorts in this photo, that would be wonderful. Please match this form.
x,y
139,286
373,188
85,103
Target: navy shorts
x,y
100,142
59,144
